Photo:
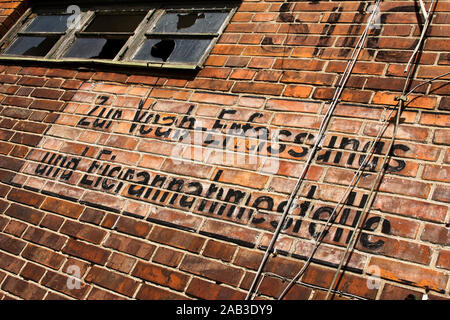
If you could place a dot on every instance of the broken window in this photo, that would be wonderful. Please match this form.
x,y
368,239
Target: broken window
x,y
160,35
181,36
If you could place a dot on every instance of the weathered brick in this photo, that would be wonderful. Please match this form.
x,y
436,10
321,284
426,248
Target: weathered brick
x,y
132,226
410,274
177,239
43,256
24,213
391,292
131,246
11,244
112,281
211,269
45,238
58,282
444,259
86,251
32,272
23,289
219,250
436,234
149,292
207,290
161,275
411,208
66,208
83,232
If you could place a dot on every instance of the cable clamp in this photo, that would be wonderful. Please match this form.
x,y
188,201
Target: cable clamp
x,y
403,98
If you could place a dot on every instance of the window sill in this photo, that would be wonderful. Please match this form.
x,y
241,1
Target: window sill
x,y
94,62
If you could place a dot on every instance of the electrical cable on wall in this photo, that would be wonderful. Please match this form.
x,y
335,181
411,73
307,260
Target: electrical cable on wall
x,y
402,99
318,143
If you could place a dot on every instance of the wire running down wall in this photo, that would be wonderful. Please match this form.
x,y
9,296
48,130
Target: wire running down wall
x,y
153,183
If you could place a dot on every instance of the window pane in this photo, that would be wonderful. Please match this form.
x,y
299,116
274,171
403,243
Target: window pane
x,y
173,50
32,46
56,23
194,22
95,48
115,23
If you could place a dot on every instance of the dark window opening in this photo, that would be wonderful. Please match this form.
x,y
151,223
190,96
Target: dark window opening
x,y
32,46
115,23
95,48
48,23
194,22
173,50
163,49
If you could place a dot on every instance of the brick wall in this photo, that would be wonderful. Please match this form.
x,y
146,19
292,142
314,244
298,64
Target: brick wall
x,y
99,172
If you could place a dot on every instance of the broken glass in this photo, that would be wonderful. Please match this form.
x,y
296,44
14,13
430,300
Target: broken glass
x,y
193,22
32,46
115,23
172,50
50,23
95,48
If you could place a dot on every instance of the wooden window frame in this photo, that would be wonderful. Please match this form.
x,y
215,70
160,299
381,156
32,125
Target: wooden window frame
x,y
124,57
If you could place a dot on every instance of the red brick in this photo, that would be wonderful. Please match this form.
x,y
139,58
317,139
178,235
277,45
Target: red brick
x,y
10,263
243,178
59,283
32,272
258,88
17,101
141,249
161,275
43,256
410,274
211,291
49,105
211,269
167,257
83,232
45,238
99,294
211,84
229,232
347,283
121,262
308,77
436,173
187,168
177,239
112,281
219,250
391,292
400,249
149,292
26,197
52,222
444,259
442,193
405,187
23,289
24,213
15,228
11,244
411,208
26,139
86,251
436,234
66,208
133,227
